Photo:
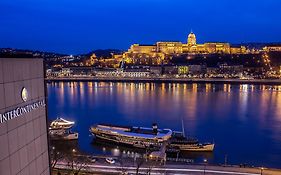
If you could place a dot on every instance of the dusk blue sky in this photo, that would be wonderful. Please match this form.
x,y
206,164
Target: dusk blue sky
x,y
80,26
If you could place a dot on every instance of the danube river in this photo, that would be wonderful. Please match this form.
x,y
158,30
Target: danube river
x,y
244,121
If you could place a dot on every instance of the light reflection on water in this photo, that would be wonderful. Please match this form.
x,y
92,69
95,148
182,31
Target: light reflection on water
x,y
244,120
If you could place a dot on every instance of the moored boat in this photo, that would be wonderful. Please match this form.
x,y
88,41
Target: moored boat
x,y
183,143
61,123
140,137
60,129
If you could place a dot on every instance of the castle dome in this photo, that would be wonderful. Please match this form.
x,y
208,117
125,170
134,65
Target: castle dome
x,y
191,40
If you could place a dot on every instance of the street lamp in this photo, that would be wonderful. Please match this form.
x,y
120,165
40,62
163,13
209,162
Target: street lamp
x,y
205,163
178,152
262,168
73,150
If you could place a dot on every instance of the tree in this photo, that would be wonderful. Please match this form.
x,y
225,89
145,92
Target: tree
x,y
55,156
124,163
76,162
139,163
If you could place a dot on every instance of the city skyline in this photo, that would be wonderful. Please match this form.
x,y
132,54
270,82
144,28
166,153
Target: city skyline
x,y
140,87
72,28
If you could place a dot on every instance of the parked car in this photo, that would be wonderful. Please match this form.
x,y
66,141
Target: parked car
x,y
92,159
110,160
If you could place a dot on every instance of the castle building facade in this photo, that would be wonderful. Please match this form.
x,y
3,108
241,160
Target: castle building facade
x,y
191,46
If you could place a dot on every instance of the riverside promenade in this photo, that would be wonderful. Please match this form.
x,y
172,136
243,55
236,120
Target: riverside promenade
x,y
103,168
123,165
166,80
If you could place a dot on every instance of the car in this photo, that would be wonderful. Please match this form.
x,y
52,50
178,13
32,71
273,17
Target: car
x,y
110,160
93,160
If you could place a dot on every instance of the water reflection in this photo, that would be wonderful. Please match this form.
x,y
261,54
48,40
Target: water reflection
x,y
236,116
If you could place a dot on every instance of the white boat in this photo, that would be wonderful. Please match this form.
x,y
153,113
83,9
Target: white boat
x,y
60,130
61,123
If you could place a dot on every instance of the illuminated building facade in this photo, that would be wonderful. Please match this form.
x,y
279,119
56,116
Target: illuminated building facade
x,y
146,49
182,70
171,48
238,49
273,48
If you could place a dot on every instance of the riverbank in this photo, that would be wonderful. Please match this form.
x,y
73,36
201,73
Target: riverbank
x,y
168,80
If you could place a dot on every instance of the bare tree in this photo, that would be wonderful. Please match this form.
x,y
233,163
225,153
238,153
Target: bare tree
x,y
150,166
76,163
139,163
124,163
55,156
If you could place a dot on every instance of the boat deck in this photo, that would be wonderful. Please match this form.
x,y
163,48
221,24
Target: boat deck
x,y
141,132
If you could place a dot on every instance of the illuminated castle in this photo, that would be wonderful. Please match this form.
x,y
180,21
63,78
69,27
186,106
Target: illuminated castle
x,y
156,53
190,47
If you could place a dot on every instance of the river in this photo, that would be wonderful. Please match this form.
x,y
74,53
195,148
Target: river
x,y
244,121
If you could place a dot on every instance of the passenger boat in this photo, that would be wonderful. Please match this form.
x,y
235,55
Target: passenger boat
x,y
139,137
60,130
179,141
61,123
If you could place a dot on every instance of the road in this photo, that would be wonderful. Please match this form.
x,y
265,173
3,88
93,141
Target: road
x,y
104,168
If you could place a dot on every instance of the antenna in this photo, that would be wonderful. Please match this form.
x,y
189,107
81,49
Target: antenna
x,y
182,125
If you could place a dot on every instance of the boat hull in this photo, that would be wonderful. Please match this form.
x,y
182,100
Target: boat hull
x,y
130,143
195,147
182,147
72,136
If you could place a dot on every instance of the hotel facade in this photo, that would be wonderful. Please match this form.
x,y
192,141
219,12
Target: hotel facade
x,y
23,122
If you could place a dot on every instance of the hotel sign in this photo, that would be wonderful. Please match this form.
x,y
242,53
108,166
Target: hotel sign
x,y
21,110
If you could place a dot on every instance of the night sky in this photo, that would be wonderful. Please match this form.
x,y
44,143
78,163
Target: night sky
x,y
80,26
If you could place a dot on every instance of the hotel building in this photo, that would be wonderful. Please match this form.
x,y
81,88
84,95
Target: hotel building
x,y
23,126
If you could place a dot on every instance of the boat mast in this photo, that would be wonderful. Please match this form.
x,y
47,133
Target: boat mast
x,y
182,125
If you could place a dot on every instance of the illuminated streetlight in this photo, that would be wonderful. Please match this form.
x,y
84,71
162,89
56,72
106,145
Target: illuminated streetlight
x,y
262,168
205,163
